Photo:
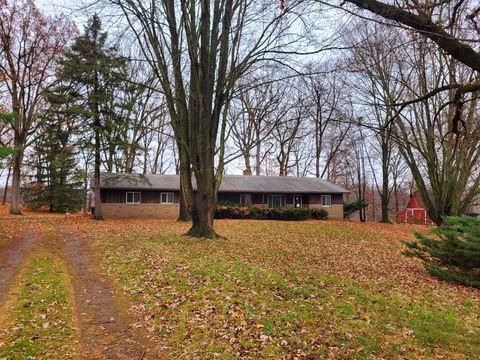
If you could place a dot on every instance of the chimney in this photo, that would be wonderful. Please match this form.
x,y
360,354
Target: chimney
x,y
247,172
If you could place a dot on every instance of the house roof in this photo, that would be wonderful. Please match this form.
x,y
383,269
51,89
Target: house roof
x,y
230,183
415,202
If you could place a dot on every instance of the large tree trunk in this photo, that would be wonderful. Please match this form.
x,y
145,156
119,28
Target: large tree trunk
x,y
16,172
384,206
184,213
98,215
248,166
185,186
203,207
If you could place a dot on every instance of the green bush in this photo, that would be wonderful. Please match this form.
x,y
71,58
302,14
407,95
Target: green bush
x,y
319,214
259,213
453,253
288,214
285,213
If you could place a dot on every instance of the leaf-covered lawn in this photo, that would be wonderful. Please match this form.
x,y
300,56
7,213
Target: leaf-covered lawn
x,y
9,230
39,322
287,289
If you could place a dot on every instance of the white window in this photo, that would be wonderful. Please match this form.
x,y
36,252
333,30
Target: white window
x,y
245,199
133,197
167,198
326,200
276,201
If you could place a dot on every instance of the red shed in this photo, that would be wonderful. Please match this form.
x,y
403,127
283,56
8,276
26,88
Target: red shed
x,y
415,213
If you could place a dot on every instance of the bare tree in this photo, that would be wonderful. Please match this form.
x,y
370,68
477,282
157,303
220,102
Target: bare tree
x,y
399,175
198,51
302,156
439,134
287,134
254,114
159,145
30,44
142,108
375,62
439,22
354,165
327,109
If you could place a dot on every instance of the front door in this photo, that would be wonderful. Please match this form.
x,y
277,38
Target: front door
x,y
297,201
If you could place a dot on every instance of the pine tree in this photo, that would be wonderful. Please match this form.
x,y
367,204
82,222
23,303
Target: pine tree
x,y
90,74
453,253
56,185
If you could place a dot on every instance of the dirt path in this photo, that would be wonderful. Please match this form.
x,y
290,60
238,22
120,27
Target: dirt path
x,y
104,333
12,257
104,328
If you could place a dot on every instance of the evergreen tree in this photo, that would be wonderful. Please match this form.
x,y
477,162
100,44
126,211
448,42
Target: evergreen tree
x,y
57,184
453,253
356,205
90,74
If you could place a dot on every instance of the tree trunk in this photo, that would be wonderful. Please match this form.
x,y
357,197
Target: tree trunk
x,y
395,194
98,215
16,169
185,181
318,148
184,214
248,166
85,191
258,153
385,191
384,218
203,207
361,190
5,190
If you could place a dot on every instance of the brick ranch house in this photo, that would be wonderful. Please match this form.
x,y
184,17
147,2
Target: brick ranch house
x,y
136,195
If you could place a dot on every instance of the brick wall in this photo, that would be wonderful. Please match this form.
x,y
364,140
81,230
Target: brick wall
x,y
166,211
335,211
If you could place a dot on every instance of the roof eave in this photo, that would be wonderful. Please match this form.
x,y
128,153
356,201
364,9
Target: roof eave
x,y
227,191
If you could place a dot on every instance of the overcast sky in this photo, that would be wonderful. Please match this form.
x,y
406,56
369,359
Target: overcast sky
x,y
76,11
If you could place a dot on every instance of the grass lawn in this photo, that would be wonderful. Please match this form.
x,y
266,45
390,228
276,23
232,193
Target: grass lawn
x,y
287,289
39,324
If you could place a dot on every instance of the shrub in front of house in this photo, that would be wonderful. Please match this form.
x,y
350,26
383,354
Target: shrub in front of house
x,y
232,212
319,214
288,214
285,213
259,213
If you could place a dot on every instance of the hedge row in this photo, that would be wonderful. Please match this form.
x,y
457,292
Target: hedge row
x,y
285,213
